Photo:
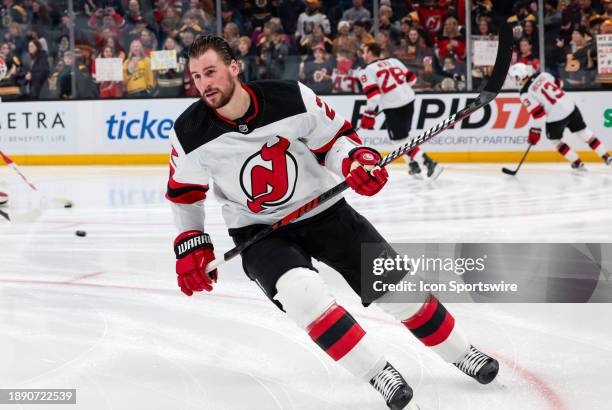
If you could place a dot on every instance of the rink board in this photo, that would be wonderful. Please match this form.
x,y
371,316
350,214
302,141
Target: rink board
x,y
138,131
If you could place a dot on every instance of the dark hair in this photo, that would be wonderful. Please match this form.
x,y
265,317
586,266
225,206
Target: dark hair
x,y
206,42
38,47
374,49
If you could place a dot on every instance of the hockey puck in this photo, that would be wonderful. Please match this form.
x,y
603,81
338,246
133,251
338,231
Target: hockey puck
x,y
80,233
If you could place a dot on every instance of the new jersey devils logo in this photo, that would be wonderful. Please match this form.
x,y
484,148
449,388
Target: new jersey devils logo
x,y
268,177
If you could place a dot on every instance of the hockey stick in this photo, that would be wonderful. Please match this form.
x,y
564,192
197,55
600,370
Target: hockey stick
x,y
28,216
67,203
511,172
490,91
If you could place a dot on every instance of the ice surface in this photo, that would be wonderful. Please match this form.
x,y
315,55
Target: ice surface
x,y
102,313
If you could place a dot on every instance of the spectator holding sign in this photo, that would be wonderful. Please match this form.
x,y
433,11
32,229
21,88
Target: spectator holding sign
x,y
139,79
109,89
170,80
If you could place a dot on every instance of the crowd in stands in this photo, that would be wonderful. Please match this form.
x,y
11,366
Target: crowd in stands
x,y
318,42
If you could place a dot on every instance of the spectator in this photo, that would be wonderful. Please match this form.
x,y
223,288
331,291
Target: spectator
x,y
231,34
273,55
526,54
135,15
170,82
483,28
85,86
344,77
246,61
13,13
576,59
102,16
289,12
11,73
309,17
170,23
148,41
110,89
387,49
39,71
415,49
385,14
361,34
357,12
428,79
454,70
113,43
452,41
39,14
137,73
530,31
345,40
201,17
258,12
431,17
607,13
16,39
316,73
521,13
231,15
187,37
316,37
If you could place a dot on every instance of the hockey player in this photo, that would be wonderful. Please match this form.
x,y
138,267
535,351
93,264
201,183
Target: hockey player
x,y
545,100
387,85
270,146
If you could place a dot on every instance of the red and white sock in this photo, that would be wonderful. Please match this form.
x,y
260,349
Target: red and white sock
x,y
415,154
435,327
595,143
345,341
567,152
432,324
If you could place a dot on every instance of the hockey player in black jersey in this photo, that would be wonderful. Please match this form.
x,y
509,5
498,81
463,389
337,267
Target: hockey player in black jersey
x,y
269,147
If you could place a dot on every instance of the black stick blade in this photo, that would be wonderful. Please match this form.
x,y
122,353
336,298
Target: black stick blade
x,y
508,171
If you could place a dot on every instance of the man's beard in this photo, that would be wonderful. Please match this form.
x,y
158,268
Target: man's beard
x,y
224,97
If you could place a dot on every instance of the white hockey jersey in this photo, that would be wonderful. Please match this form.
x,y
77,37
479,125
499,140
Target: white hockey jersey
x,y
274,159
544,99
387,83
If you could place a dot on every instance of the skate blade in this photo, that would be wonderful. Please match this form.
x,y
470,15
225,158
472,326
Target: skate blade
x,y
417,176
412,406
437,171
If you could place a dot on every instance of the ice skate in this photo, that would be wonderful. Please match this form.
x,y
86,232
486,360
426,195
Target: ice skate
x,y
3,198
394,389
608,160
414,169
433,168
578,165
478,365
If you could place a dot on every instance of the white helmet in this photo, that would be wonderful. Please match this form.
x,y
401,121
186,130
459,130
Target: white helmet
x,y
519,72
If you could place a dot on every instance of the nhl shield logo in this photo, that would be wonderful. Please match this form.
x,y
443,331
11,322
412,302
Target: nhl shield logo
x,y
243,128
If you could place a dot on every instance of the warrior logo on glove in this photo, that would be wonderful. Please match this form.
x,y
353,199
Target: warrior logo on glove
x,y
268,178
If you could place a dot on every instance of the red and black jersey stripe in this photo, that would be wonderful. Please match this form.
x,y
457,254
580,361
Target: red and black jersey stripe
x,y
180,193
432,324
538,112
336,332
371,90
346,131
